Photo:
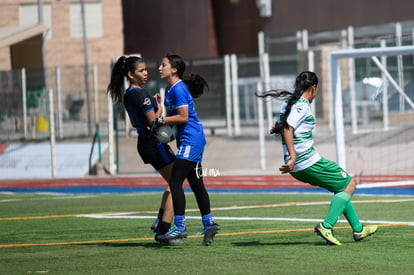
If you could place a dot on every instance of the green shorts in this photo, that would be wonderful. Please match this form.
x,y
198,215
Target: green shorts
x,y
326,174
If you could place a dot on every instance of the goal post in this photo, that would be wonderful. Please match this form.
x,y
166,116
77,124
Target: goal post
x,y
336,87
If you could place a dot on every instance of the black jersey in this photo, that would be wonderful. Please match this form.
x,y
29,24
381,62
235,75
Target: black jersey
x,y
138,102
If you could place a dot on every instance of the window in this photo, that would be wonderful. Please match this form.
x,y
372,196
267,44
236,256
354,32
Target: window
x,y
93,19
28,16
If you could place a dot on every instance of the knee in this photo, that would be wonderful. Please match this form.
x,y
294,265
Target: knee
x,y
351,187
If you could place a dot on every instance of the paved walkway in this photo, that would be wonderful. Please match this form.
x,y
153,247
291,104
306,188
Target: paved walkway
x,y
222,155
369,153
233,164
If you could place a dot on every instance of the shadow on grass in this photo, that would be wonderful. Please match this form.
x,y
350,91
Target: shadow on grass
x,y
154,245
288,243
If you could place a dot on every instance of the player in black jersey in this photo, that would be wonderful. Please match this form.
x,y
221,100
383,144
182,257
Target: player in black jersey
x,y
143,109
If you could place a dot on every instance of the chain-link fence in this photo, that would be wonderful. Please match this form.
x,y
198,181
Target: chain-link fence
x,y
77,109
378,117
80,104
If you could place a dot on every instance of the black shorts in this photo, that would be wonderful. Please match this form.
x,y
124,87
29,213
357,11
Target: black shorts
x,y
153,152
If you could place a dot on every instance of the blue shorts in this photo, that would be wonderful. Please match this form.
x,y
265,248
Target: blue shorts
x,y
192,153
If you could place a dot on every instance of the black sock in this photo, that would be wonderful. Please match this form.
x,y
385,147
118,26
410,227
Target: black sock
x,y
163,227
160,213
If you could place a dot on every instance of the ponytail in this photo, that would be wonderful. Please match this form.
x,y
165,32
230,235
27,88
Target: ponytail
x,y
120,70
303,82
277,129
195,84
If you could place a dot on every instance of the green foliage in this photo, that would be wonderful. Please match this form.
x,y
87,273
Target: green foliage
x,y
82,245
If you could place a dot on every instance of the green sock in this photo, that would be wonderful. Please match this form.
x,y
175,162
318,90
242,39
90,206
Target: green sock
x,y
352,217
338,203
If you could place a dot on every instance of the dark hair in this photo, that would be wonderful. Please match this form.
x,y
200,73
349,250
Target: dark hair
x,y
303,82
194,82
123,65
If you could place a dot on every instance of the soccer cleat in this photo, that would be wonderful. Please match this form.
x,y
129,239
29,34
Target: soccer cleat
x,y
175,242
209,234
167,241
367,230
154,226
172,234
157,239
327,234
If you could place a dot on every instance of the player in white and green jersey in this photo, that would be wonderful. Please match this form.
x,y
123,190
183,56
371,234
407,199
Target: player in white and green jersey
x,y
295,125
302,120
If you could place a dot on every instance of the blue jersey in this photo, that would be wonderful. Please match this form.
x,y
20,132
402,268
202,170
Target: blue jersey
x,y
190,133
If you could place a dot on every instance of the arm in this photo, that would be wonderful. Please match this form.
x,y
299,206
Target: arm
x,y
180,98
132,122
288,137
151,115
180,118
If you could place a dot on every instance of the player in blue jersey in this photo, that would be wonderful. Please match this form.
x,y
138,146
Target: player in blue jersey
x,y
143,109
295,125
190,139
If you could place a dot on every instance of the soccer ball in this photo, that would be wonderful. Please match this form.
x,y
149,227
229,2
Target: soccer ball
x,y
166,133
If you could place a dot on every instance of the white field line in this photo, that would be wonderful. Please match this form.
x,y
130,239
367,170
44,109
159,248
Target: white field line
x,y
304,204
385,184
274,205
129,215
66,197
119,216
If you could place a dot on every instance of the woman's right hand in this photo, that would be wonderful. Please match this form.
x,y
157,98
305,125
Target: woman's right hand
x,y
158,98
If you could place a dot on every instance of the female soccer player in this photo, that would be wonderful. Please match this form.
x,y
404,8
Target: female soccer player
x,y
142,110
295,124
180,110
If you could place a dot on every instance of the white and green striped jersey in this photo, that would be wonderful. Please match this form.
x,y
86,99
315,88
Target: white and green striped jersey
x,y
303,122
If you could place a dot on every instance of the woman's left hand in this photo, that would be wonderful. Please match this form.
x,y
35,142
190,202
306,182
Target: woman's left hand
x,y
286,168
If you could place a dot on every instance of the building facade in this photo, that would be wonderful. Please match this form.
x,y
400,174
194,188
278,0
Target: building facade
x,y
55,36
206,28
